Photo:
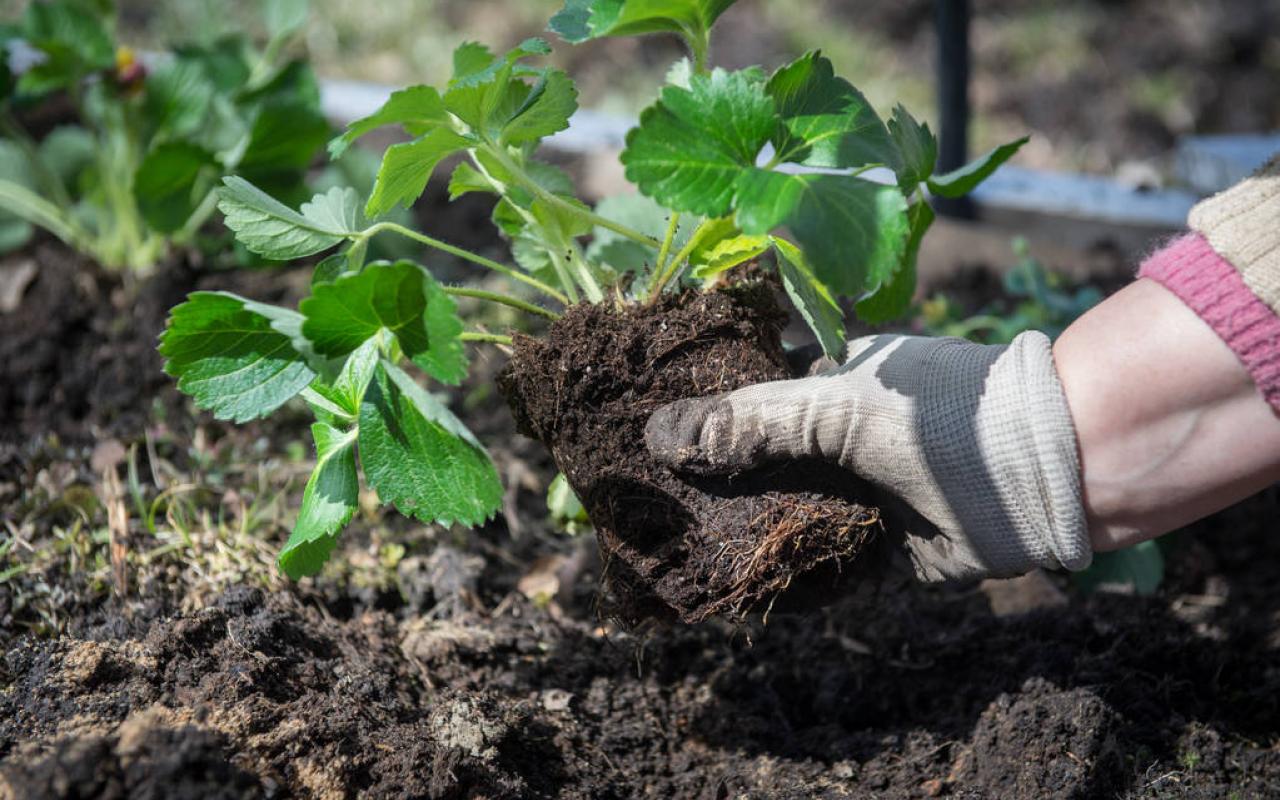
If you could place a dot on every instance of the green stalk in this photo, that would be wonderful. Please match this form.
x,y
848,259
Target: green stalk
x,y
562,272
500,188
509,164
502,299
672,226
579,266
492,338
466,255
673,266
26,204
198,217
699,45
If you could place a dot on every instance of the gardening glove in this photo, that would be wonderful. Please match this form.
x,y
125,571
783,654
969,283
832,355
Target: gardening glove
x,y
976,438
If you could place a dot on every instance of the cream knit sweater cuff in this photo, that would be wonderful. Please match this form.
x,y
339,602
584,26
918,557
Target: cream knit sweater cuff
x,y
1243,225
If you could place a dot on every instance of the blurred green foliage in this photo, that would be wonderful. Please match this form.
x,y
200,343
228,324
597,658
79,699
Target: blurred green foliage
x,y
1037,298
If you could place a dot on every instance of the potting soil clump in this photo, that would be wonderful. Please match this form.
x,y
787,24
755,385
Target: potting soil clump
x,y
678,546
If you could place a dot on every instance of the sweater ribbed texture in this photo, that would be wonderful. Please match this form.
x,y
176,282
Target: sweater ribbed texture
x,y
1243,225
1217,292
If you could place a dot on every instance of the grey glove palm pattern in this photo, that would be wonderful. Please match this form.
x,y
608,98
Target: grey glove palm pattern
x,y
977,439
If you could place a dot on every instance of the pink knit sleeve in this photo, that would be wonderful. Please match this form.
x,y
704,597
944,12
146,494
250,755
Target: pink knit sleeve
x,y
1214,289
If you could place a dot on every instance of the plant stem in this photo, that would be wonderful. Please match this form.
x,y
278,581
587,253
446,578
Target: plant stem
x,y
502,299
466,255
198,217
562,272
699,45
509,164
492,338
672,226
673,266
578,265
26,204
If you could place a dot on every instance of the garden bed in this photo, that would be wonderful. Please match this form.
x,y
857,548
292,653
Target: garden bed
x,y
440,664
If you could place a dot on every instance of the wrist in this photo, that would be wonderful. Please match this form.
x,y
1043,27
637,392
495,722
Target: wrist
x,y
1000,445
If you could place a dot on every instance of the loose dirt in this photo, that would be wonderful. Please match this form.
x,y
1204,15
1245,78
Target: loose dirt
x,y
917,693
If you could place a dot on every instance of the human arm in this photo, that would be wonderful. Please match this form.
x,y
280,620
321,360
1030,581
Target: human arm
x,y
1170,425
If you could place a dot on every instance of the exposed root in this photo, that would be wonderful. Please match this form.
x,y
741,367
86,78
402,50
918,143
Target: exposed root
x,y
797,531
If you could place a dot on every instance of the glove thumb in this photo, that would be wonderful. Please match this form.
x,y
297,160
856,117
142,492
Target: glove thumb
x,y
701,436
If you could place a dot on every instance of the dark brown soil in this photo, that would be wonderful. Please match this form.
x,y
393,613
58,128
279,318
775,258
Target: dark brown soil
x,y
921,693
677,547
78,357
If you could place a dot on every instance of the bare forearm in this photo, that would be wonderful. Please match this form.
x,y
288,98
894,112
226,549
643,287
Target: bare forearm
x,y
1170,425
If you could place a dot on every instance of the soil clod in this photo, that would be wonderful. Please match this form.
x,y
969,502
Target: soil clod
x,y
677,547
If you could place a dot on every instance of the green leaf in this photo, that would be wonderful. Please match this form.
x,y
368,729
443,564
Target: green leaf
x,y
284,17
342,315
445,358
467,179
74,39
917,149
722,246
580,20
470,58
165,186
812,299
530,243
357,371
178,97
285,137
960,182
270,228
546,110
893,298
407,167
66,151
726,255
1138,569
229,358
487,98
853,232
328,503
680,73
825,121
400,298
692,146
419,457
329,268
417,109
294,84
227,60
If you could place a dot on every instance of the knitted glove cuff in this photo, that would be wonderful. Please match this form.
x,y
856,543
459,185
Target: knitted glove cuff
x,y
1014,485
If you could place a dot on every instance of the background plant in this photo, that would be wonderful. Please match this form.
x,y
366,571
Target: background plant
x,y
730,165
134,168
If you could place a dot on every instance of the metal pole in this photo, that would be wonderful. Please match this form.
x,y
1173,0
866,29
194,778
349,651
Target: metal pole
x,y
952,19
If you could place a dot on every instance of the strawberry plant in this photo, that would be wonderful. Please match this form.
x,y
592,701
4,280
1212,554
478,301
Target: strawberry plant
x,y
729,166
134,171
